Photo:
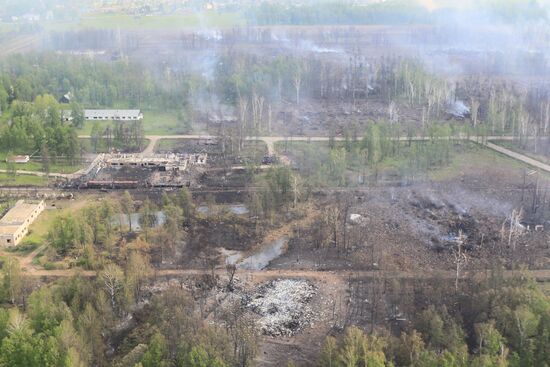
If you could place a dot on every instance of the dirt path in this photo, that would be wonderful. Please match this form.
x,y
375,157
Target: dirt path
x,y
270,142
518,156
324,276
39,173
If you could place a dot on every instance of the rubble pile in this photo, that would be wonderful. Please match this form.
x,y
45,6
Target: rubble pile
x,y
282,305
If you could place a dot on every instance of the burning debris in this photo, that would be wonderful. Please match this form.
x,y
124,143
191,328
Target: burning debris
x,y
283,306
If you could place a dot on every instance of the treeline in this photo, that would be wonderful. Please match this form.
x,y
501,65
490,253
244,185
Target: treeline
x,y
255,86
495,323
37,127
506,108
358,159
389,12
92,83
78,321
121,135
338,12
81,321
97,235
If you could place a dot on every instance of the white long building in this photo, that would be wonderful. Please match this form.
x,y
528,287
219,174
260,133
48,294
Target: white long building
x,y
15,224
103,115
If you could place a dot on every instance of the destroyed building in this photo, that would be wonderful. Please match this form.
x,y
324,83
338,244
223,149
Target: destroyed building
x,y
138,170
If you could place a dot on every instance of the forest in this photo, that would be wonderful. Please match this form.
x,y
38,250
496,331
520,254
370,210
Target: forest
x,y
387,12
77,321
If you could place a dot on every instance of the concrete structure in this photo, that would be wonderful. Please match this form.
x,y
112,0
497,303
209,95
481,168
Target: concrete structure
x,y
161,162
105,115
15,224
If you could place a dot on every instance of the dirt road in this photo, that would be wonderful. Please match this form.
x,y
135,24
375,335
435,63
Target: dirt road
x,y
539,275
271,140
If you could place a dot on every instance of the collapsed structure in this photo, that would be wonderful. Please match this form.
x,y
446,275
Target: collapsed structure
x,y
15,224
138,170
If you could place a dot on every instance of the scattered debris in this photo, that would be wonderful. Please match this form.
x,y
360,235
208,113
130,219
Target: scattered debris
x,y
283,306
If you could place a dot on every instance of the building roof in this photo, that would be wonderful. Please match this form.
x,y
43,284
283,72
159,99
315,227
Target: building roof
x,y
18,158
18,214
8,229
90,114
107,114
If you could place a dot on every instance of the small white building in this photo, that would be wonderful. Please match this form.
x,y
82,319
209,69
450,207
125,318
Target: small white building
x,y
15,224
18,159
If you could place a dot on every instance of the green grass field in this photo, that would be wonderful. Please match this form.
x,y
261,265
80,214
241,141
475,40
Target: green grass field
x,y
474,156
514,147
37,166
22,180
162,123
38,230
115,21
154,123
463,158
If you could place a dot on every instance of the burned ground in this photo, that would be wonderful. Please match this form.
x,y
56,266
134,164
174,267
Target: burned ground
x,y
417,227
220,154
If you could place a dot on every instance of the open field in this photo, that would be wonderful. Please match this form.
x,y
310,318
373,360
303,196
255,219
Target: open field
x,y
39,229
154,123
177,21
528,148
37,166
7,180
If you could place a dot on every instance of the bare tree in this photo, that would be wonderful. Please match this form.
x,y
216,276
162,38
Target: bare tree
x,y
297,80
113,280
243,110
515,227
231,270
460,256
475,109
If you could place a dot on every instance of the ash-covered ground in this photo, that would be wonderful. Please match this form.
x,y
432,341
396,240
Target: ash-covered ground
x,y
282,305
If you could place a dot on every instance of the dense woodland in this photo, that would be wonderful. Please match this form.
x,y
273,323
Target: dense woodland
x,y
255,89
93,83
387,12
494,323
31,87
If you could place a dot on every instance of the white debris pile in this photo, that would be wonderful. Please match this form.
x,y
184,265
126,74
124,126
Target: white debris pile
x,y
283,306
